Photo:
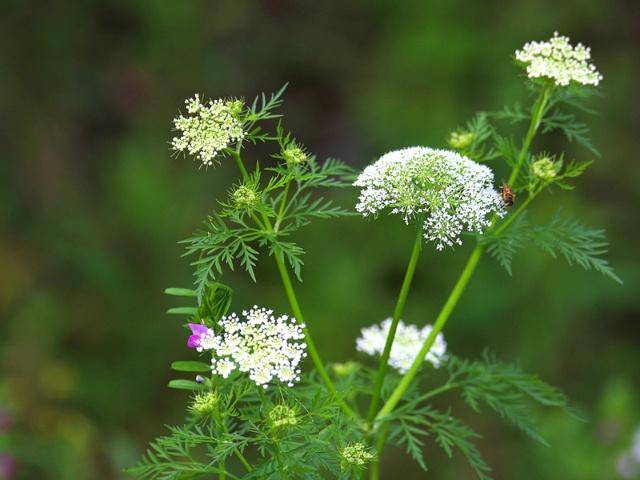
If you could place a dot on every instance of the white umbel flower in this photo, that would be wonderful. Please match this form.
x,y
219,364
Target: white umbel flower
x,y
262,345
406,344
558,60
208,128
450,192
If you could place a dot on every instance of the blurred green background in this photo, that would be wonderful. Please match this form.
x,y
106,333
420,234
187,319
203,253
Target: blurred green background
x,y
92,206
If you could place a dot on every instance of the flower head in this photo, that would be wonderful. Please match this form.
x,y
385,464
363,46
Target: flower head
x,y
266,347
245,197
282,416
558,60
208,128
406,344
447,191
461,139
545,168
205,403
294,154
356,455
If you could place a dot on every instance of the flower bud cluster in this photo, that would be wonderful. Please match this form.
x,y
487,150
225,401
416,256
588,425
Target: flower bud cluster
x,y
245,197
545,169
205,403
282,416
356,454
460,139
293,154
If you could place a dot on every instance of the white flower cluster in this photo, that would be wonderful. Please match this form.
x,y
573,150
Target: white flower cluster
x,y
208,128
628,463
266,347
558,60
451,192
406,344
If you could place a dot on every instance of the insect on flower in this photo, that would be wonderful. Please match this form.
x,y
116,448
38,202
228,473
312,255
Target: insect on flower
x,y
508,197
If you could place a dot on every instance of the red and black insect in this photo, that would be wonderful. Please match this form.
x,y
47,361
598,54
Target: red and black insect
x,y
508,197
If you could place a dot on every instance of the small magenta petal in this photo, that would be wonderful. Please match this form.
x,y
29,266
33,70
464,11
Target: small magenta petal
x,y
198,328
194,341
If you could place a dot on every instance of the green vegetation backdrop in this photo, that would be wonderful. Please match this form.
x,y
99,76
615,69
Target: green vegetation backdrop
x,y
92,206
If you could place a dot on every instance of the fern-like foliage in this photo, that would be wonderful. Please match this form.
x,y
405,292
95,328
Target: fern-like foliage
x,y
288,201
561,237
309,447
578,244
487,383
505,389
413,424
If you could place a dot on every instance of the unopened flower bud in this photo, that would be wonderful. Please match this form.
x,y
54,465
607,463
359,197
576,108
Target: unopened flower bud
x,y
460,139
544,168
294,155
282,416
244,197
205,403
344,369
356,455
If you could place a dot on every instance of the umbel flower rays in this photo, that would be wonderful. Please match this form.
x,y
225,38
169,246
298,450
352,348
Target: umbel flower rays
x,y
406,344
265,346
558,60
449,193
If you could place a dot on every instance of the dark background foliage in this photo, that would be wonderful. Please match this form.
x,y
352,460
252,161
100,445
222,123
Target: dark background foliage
x,y
92,205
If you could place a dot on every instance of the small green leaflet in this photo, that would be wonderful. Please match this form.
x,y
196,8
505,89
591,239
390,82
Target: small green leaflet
x,y
190,366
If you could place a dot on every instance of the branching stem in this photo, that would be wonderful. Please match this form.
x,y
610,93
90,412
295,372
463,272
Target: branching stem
x,y
295,307
539,110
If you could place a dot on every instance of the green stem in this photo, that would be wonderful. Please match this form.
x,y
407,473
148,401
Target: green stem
x,y
536,118
313,352
297,312
282,205
374,473
243,460
444,315
397,313
243,170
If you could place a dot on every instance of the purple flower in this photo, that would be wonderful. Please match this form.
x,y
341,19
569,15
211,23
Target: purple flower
x,y
201,338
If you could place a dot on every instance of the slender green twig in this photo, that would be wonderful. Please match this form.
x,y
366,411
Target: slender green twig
x,y
536,117
449,305
397,313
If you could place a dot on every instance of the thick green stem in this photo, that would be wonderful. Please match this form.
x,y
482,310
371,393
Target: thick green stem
x,y
397,313
444,315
